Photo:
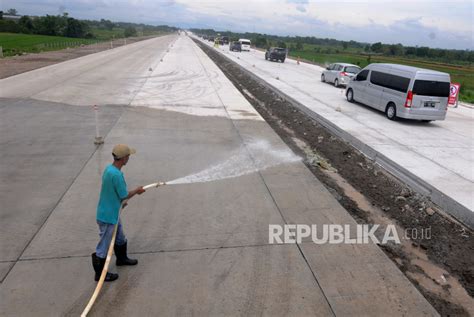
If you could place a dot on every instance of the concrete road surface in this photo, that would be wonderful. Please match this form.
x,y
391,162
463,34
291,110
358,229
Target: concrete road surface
x,y
436,158
203,248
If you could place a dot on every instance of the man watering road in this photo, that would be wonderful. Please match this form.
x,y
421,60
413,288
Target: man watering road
x,y
113,193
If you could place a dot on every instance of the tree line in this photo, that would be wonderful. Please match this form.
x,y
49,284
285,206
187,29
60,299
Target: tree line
x,y
57,25
64,25
296,43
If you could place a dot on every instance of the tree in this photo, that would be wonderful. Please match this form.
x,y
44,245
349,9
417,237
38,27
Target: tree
x,y
261,41
299,46
376,47
75,28
1,15
281,44
12,12
109,25
26,24
129,31
422,51
345,45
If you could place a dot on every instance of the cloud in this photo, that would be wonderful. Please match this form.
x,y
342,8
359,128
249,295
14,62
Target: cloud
x,y
407,22
300,8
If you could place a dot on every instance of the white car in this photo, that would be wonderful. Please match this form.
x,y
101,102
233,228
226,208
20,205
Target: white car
x,y
339,73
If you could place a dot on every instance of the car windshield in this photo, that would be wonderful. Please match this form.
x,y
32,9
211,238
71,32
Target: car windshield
x,y
352,69
280,49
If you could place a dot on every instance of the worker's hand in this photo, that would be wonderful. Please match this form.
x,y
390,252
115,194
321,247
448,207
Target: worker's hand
x,y
125,203
140,190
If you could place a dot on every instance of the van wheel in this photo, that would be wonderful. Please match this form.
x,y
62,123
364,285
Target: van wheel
x,y
336,83
322,78
350,95
391,111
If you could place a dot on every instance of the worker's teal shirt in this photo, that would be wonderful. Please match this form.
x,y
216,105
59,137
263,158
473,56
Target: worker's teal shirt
x,y
114,190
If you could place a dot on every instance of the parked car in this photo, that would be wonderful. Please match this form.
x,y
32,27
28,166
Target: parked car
x,y
225,40
339,73
235,47
276,53
402,91
245,44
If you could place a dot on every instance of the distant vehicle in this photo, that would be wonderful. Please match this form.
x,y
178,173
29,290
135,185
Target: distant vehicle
x,y
245,44
402,91
276,53
339,73
235,47
225,40
211,38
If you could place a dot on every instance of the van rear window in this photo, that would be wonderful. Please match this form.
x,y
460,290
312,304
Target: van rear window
x,y
431,88
245,42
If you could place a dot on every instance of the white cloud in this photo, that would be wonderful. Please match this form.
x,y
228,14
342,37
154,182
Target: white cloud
x,y
451,22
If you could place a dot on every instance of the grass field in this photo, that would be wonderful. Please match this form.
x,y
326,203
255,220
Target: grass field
x,y
15,43
459,73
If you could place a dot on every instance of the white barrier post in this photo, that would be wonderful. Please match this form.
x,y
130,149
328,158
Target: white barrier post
x,y
1,52
98,138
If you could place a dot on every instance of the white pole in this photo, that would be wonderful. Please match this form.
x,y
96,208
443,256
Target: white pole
x,y
1,52
98,138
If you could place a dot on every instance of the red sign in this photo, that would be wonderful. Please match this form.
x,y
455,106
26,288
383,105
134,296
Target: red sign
x,y
453,93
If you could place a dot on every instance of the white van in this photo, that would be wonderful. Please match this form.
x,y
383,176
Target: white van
x,y
402,91
245,44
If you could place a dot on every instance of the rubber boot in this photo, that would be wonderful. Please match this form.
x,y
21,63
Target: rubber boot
x,y
121,254
98,264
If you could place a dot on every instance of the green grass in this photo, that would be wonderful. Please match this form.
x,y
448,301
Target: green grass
x,y
463,74
15,43
104,34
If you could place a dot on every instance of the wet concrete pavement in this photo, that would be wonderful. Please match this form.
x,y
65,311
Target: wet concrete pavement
x,y
202,248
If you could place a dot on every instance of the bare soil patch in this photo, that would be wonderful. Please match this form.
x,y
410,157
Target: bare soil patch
x,y
440,265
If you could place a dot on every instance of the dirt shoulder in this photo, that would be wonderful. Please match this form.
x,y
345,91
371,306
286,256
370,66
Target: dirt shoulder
x,y
438,260
10,66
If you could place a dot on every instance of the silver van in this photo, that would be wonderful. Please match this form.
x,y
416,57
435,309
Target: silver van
x,y
402,91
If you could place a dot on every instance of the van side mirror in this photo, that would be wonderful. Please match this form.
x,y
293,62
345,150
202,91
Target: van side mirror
x,y
327,68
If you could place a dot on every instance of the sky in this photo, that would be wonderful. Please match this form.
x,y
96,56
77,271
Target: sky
x,y
437,24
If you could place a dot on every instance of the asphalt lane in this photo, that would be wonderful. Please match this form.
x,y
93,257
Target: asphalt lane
x,y
202,248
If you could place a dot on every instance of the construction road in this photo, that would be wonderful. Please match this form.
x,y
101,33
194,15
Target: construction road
x,y
203,248
436,159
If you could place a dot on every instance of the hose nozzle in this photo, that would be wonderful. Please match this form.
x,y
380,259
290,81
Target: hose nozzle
x,y
154,185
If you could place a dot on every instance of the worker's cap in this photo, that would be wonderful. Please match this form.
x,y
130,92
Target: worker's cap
x,y
122,150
